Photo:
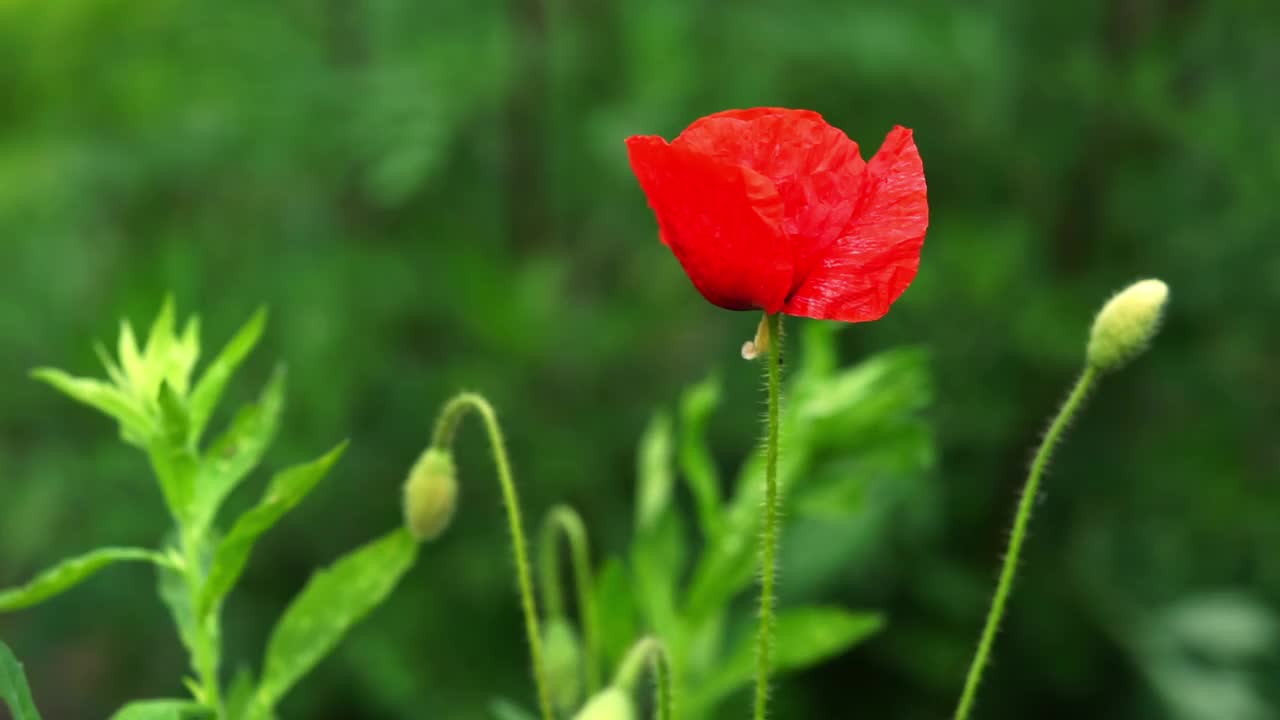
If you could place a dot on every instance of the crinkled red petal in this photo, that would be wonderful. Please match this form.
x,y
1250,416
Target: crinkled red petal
x,y
816,168
723,222
859,275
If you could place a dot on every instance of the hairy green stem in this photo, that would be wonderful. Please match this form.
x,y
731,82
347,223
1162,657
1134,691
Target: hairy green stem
x,y
446,430
1018,535
207,640
650,651
769,534
563,519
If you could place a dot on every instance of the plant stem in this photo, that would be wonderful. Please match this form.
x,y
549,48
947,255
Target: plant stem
x,y
649,650
1016,538
769,535
564,519
207,638
446,430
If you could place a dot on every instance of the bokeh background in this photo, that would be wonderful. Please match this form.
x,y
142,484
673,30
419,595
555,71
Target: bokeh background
x,y
435,195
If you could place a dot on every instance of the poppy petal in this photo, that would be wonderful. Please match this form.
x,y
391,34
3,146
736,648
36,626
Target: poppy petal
x,y
780,144
723,223
816,168
858,276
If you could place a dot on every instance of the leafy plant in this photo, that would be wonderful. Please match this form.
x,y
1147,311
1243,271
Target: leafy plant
x,y
163,410
857,449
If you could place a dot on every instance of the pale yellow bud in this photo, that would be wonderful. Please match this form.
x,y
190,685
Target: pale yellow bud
x,y
1126,324
430,494
611,704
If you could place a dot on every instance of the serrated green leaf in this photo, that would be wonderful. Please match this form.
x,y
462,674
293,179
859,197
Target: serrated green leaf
x,y
655,480
69,573
803,637
237,451
503,709
162,710
208,390
332,601
697,403
103,397
13,687
285,491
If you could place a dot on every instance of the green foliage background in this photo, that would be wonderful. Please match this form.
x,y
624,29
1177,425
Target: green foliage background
x,y
435,195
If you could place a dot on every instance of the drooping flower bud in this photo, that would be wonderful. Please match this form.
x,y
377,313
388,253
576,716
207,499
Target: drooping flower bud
x,y
563,660
1126,324
613,703
430,494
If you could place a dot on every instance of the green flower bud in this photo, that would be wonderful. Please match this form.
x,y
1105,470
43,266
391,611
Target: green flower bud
x,y
430,494
611,704
562,657
1126,324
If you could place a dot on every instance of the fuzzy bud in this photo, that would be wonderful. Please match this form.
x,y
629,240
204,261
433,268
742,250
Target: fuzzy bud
x,y
1126,324
610,704
430,494
563,660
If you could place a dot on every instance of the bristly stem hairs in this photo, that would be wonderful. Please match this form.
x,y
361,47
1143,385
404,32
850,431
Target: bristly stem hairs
x,y
445,431
772,336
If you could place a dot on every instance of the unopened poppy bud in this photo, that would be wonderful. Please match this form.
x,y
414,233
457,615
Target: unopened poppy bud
x,y
1126,324
430,494
563,660
611,704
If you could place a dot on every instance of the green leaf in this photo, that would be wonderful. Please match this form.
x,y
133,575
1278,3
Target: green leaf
x,y
162,710
803,637
131,359
285,491
237,451
69,573
171,585
657,563
332,601
240,694
503,709
653,491
156,356
208,390
174,421
697,403
615,611
176,467
13,687
103,397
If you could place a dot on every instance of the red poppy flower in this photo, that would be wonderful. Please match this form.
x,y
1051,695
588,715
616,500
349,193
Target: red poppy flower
x,y
775,209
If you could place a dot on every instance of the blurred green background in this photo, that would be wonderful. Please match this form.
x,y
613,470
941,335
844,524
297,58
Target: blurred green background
x,y
435,195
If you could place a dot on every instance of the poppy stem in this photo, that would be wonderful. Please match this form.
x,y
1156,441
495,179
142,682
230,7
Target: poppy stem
x,y
564,520
769,534
1021,520
651,651
445,431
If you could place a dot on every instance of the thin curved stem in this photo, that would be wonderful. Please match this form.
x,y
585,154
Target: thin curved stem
x,y
651,652
563,519
446,430
769,535
1016,538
